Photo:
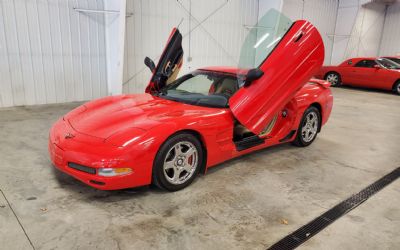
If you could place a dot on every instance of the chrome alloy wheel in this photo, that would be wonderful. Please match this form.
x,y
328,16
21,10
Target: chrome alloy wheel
x,y
333,79
180,162
310,127
398,89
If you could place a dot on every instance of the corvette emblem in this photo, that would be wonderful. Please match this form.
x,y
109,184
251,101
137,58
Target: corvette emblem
x,y
69,136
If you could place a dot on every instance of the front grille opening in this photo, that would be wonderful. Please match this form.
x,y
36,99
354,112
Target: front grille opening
x,y
82,168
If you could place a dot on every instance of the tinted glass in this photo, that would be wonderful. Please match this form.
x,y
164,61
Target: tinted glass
x,y
388,64
394,59
366,64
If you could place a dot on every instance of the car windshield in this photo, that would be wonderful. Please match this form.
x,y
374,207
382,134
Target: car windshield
x,y
394,59
388,64
202,88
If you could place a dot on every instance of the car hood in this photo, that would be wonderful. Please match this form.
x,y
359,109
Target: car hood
x,y
106,116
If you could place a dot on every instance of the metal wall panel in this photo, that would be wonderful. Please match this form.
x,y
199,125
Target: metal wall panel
x,y
50,53
217,29
363,31
391,36
322,14
366,34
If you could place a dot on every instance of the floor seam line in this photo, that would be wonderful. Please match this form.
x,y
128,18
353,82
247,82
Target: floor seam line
x,y
16,217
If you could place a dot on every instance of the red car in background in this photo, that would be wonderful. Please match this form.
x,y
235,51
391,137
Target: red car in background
x,y
379,73
183,126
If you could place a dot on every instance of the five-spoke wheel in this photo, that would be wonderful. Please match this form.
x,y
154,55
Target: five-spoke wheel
x,y
308,128
180,162
334,79
177,162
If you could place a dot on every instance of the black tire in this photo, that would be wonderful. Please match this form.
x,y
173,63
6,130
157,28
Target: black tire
x,y
163,177
334,79
303,138
396,87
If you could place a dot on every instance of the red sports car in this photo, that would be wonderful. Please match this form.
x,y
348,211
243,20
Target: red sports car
x,y
183,126
379,73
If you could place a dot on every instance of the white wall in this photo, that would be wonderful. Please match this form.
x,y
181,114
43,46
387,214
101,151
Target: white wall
x,y
363,30
115,38
216,41
391,36
49,53
358,29
322,14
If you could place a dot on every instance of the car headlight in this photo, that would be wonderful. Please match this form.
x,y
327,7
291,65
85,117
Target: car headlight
x,y
109,172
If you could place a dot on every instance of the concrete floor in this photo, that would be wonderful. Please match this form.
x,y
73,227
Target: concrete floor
x,y
237,205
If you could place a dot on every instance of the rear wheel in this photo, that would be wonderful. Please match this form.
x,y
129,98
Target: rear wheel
x,y
396,87
177,162
334,79
308,128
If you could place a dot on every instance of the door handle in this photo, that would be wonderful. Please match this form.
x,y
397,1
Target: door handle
x,y
298,36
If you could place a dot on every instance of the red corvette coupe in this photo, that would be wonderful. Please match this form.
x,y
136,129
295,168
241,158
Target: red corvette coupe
x,y
379,73
183,126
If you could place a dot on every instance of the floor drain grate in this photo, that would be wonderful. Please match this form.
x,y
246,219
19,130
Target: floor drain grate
x,y
307,231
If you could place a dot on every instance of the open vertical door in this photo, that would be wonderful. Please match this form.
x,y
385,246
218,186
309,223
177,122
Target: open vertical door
x,y
289,54
169,64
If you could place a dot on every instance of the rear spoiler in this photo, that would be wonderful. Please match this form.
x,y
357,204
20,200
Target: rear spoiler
x,y
322,83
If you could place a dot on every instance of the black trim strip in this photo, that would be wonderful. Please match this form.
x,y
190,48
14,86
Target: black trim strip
x,y
307,231
82,168
249,142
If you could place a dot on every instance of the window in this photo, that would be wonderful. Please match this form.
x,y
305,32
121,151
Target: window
x,y
197,84
202,88
366,64
388,63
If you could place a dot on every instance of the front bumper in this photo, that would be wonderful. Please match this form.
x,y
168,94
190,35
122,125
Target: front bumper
x,y
61,160
69,155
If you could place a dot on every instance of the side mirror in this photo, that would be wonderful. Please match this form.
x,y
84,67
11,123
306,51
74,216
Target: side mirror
x,y
376,66
149,63
252,75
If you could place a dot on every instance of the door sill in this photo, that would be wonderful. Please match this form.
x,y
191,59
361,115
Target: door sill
x,y
248,142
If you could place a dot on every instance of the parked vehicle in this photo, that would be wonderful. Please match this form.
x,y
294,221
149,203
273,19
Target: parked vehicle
x,y
379,73
184,126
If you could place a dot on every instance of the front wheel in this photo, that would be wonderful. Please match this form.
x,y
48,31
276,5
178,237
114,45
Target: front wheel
x,y
308,128
396,87
177,162
334,79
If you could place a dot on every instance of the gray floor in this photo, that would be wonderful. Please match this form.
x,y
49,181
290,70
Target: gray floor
x,y
238,205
